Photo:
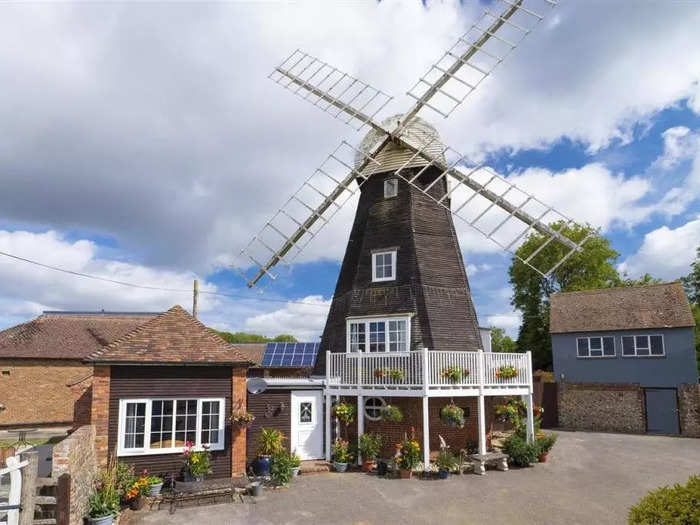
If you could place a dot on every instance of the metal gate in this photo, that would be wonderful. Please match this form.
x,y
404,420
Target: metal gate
x,y
661,410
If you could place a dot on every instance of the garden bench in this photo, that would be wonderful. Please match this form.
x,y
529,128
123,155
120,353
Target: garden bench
x,y
479,461
212,491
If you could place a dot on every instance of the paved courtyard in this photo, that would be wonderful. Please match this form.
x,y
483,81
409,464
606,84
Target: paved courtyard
x,y
589,478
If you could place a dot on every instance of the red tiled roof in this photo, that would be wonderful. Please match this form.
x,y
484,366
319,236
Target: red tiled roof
x,y
252,351
626,308
67,335
172,337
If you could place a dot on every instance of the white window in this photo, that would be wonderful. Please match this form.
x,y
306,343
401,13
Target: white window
x,y
373,408
163,426
391,188
595,346
383,266
643,346
383,334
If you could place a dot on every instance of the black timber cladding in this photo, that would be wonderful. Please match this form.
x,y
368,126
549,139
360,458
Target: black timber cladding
x,y
170,381
272,409
431,281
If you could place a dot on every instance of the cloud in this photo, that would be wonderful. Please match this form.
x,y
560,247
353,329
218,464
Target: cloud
x,y
665,253
679,145
510,322
304,321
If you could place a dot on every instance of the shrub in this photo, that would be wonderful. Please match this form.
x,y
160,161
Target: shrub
x,y
295,459
452,415
124,479
677,505
269,441
521,452
391,414
370,446
409,453
341,452
545,443
104,498
197,462
281,467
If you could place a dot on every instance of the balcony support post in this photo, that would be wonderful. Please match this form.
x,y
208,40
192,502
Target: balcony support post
x,y
529,400
481,406
360,424
426,434
328,426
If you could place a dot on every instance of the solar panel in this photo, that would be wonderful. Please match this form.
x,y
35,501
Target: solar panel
x,y
290,354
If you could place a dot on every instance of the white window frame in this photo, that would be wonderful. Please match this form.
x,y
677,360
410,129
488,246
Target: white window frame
x,y
648,336
379,415
393,252
602,347
146,450
366,321
388,194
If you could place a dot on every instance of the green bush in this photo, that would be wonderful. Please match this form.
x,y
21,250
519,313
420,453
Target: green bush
x,y
521,452
281,467
545,443
678,505
370,446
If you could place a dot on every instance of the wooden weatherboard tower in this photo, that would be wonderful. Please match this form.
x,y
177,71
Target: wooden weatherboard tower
x,y
427,283
402,300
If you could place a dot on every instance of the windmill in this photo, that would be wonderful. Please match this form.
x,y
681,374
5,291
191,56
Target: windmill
x,y
403,254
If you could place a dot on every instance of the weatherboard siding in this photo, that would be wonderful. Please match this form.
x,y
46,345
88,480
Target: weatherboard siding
x,y
272,409
170,381
676,367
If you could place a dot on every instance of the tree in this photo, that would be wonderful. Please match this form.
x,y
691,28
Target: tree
x,y
691,283
644,279
243,337
590,268
500,342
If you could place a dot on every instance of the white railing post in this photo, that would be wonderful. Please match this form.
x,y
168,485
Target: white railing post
x,y
328,368
529,400
360,424
482,407
426,434
328,426
426,371
360,359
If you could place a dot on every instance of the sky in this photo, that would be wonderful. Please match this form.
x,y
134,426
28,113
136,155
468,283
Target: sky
x,y
143,142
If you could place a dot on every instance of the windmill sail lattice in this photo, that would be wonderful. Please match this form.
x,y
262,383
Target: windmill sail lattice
x,y
476,195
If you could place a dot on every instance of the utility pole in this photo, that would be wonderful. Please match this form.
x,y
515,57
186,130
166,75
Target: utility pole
x,y
195,296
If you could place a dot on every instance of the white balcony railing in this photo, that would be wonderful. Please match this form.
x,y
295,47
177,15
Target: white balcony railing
x,y
425,370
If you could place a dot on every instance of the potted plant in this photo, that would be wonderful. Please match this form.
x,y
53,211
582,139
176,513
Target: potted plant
x,y
197,463
124,479
396,374
269,442
407,455
138,490
391,413
445,462
453,374
103,502
240,417
506,372
370,445
452,415
281,467
379,373
341,455
345,412
544,445
296,463
155,484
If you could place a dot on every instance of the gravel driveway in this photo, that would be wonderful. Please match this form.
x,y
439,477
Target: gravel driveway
x,y
589,478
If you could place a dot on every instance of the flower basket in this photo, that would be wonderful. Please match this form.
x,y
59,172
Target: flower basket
x,y
396,374
391,414
452,415
506,372
345,412
379,373
454,374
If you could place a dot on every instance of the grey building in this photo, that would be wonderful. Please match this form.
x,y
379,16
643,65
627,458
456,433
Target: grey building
x,y
631,339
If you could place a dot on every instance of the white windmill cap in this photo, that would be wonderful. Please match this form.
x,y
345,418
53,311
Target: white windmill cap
x,y
392,157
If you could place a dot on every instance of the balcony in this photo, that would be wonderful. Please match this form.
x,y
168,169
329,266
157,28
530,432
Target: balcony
x,y
427,373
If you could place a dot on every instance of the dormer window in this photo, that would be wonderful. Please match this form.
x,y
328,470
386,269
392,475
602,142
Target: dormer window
x,y
384,266
391,188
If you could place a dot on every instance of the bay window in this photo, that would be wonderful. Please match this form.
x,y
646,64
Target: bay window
x,y
160,426
378,334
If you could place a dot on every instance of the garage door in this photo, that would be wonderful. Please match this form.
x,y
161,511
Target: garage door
x,y
662,410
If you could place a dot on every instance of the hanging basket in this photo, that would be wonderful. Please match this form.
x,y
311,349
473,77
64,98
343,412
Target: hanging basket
x,y
452,416
391,413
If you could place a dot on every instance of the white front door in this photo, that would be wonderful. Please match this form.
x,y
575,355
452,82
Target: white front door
x,y
307,427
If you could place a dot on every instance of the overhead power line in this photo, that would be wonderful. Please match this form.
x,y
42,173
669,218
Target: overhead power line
x,y
154,288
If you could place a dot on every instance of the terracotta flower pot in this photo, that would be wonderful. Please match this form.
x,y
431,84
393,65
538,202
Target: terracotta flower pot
x,y
137,503
405,474
542,458
368,466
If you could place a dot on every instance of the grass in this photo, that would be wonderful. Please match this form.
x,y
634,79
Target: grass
x,y
34,442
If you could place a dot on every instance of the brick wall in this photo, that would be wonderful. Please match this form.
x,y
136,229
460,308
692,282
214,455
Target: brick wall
x,y
689,408
239,396
75,466
55,387
100,411
601,406
412,409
